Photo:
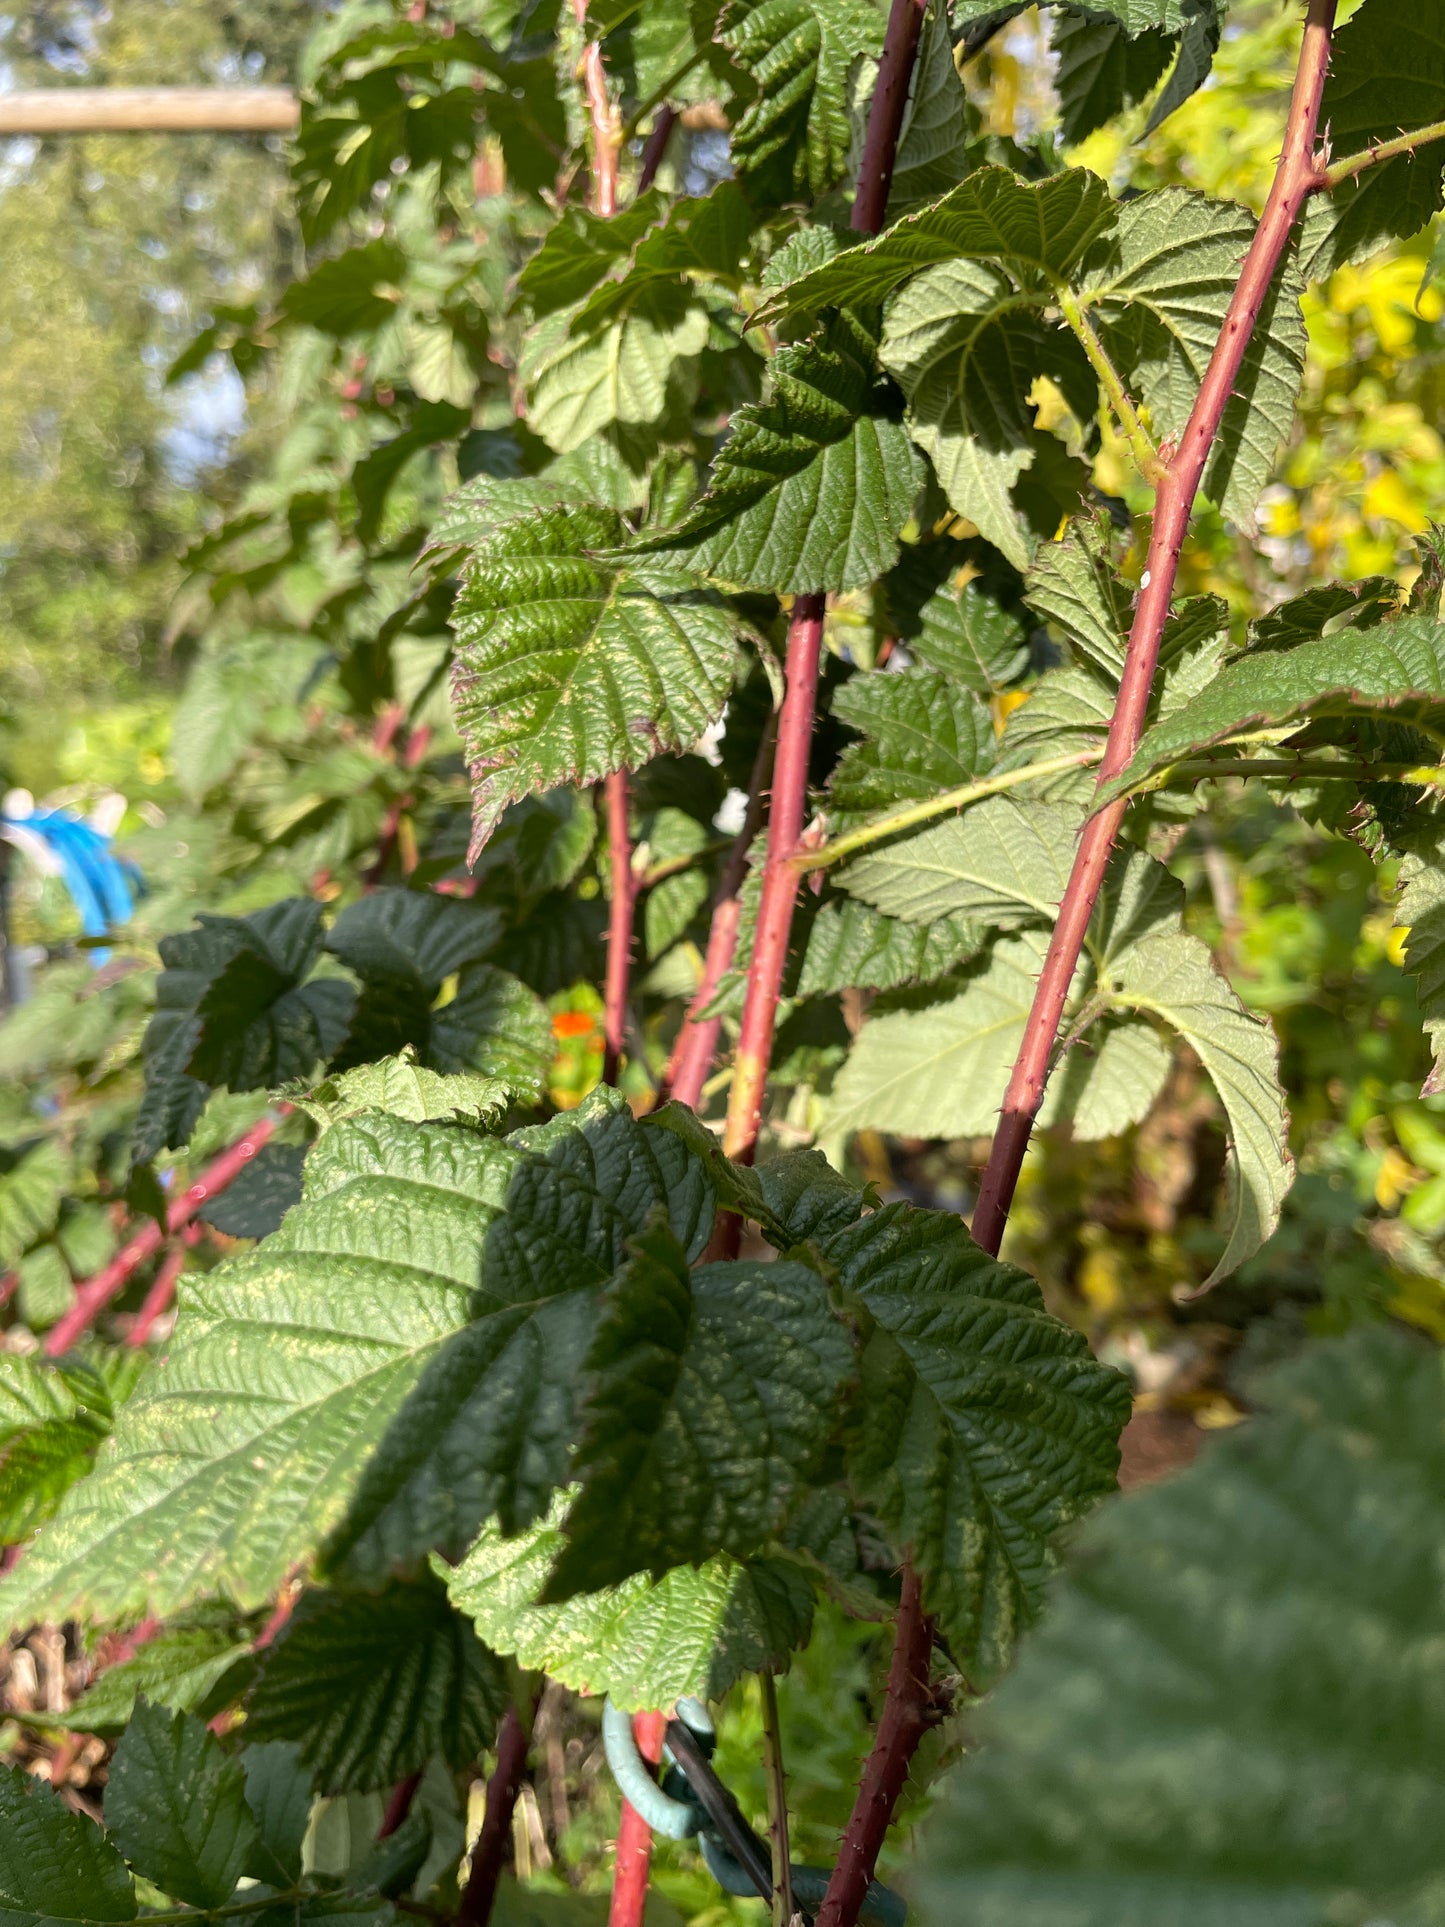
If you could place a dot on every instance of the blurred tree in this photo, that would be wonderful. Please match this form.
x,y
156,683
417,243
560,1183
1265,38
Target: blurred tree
x,y
116,247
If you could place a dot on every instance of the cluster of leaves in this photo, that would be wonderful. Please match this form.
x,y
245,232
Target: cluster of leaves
x,y
481,1382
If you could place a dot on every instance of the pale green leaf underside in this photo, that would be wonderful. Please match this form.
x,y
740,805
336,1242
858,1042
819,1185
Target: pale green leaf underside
x,y
922,735
584,379
1174,978
570,667
1396,669
1232,1716
853,945
239,1450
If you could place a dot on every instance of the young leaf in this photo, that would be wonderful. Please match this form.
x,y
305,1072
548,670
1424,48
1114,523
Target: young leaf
x,y
644,1642
176,1805
922,735
221,1475
370,1685
57,1869
1173,976
490,1424
984,1423
1394,670
570,667
791,141
712,1394
811,487
1287,1582
402,1088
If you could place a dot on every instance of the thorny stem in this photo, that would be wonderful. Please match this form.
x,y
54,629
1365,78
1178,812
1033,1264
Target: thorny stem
x,y
777,1803
490,1852
837,847
780,879
619,924
1294,180
696,1045
908,1712
1146,456
1335,173
162,1290
885,116
634,1836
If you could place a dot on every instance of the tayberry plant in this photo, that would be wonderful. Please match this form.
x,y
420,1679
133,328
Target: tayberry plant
x,y
709,680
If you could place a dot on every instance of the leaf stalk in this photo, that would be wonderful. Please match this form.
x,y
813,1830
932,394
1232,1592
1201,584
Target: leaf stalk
x,y
1141,446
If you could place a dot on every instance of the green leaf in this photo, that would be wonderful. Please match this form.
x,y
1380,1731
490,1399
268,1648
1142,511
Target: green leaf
x,y
232,1008
403,1088
221,1475
1004,861
852,945
645,1643
791,141
490,1424
176,1806
570,667
984,1423
922,735
631,370
1395,670
1041,229
811,487
1198,44
968,637
940,1069
672,903
34,1178
370,1685
1387,74
1174,977
581,248
1420,912
197,1664
711,1396
1101,71
1252,1737
938,124
57,1869
1159,291
966,342
278,1792
255,1202
1074,584
51,1420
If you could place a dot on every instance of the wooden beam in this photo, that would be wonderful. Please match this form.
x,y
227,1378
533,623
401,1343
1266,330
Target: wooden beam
x,y
149,110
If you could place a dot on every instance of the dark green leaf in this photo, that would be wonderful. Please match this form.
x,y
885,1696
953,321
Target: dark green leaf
x,y
812,486
253,1205
711,1396
1233,1710
278,1792
51,1420
490,1424
370,1685
197,1664
985,1424
791,141
1101,70
176,1804
57,1869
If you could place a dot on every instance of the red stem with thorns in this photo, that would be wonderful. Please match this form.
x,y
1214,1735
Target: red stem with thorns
x,y
1295,179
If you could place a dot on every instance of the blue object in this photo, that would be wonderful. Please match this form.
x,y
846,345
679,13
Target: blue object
x,y
102,885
